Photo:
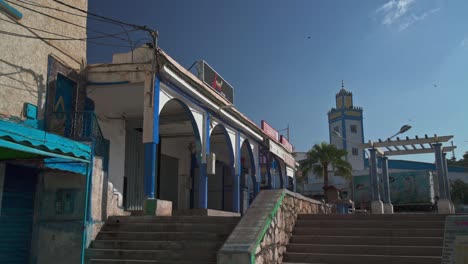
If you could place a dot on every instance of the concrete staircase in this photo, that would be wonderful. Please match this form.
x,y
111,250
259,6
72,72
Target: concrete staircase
x,y
167,240
367,239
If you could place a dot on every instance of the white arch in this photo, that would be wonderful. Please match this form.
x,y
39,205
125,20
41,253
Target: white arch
x,y
166,94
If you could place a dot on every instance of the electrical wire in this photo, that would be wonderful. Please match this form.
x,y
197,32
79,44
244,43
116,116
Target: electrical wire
x,y
60,35
103,17
60,10
46,38
67,22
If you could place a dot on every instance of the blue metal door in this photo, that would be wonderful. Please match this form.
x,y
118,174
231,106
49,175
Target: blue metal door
x,y
16,214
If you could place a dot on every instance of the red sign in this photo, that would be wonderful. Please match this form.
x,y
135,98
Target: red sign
x,y
269,130
286,143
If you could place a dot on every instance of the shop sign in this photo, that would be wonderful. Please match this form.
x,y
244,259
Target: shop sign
x,y
280,153
216,82
269,130
286,143
455,247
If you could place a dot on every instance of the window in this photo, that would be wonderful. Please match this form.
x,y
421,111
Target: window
x,y
355,152
336,129
353,129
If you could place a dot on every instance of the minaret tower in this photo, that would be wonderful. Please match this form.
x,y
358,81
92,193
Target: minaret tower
x,y
346,119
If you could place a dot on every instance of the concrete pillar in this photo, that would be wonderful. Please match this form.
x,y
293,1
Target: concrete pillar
x,y
447,183
443,205
376,204
388,207
150,140
203,178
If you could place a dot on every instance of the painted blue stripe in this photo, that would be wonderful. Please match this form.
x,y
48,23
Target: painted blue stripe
x,y
150,166
236,192
187,96
203,179
9,10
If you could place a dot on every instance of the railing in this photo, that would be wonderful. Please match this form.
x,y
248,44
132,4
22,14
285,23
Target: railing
x,y
80,126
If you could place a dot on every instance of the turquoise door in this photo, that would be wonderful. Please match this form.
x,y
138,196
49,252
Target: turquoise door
x,y
16,214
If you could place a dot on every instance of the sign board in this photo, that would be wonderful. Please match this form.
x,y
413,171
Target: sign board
x,y
215,81
280,153
455,249
269,130
286,143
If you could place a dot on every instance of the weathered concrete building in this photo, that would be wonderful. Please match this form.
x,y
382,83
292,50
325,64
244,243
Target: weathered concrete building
x,y
47,158
174,137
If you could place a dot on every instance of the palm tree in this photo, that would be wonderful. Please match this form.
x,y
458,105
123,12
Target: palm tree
x,y
323,155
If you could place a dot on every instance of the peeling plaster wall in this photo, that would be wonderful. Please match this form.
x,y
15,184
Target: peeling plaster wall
x,y
23,61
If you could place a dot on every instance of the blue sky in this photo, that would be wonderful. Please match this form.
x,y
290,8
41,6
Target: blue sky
x,y
406,61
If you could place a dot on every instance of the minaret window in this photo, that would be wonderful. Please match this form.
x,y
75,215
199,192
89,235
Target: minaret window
x,y
355,151
353,129
336,129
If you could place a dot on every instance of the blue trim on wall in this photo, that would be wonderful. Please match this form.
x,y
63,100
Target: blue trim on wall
x,y
202,106
236,182
416,165
362,135
343,127
150,166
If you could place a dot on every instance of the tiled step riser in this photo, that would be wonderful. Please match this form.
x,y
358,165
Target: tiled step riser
x,y
394,217
157,245
174,219
126,261
160,236
369,224
343,240
151,255
116,261
375,250
368,232
357,259
169,227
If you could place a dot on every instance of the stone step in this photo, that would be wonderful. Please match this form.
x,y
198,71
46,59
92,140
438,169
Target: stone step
x,y
384,223
365,250
173,219
357,259
160,236
169,227
368,240
397,217
127,261
374,232
161,255
157,245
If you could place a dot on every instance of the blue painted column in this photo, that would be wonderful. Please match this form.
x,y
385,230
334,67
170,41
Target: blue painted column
x,y
440,170
236,183
386,190
151,136
203,178
374,176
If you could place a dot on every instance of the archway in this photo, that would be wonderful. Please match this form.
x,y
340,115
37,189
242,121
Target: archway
x,y
179,152
220,185
276,171
247,176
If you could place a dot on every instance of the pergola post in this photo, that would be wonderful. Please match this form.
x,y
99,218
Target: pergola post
x,y
388,207
376,204
443,205
447,182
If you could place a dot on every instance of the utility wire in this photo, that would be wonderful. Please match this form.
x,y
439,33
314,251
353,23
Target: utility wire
x,y
60,35
103,17
60,10
46,38
68,22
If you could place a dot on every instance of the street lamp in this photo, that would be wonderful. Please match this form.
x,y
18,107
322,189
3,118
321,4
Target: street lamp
x,y
403,129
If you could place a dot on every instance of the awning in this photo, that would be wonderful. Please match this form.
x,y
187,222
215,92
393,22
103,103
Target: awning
x,y
18,141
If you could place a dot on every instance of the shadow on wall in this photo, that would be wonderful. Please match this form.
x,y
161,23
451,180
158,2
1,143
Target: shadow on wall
x,y
23,79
